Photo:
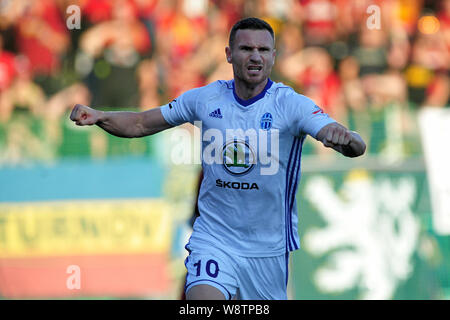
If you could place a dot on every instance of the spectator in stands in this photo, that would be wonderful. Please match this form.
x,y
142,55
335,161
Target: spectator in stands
x,y
149,84
443,16
352,88
371,51
402,15
145,41
116,46
319,17
312,70
22,93
42,36
180,32
427,74
208,58
7,68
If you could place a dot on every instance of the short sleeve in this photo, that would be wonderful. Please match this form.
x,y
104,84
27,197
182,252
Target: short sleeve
x,y
303,116
181,109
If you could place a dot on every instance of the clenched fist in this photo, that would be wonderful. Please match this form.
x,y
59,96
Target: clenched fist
x,y
84,116
336,136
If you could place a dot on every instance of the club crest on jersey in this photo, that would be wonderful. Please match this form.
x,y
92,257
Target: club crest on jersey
x,y
238,157
266,121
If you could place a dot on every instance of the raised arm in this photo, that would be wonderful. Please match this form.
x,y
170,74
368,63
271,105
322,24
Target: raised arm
x,y
123,124
338,137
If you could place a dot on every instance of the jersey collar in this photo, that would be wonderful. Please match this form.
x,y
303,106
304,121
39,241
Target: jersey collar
x,y
248,102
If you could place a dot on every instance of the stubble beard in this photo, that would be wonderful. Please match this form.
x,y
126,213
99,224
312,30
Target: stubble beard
x,y
248,81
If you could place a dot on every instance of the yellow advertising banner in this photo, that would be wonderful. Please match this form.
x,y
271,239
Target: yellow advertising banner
x,y
84,227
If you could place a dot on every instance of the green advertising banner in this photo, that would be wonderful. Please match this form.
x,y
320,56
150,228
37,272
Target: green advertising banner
x,y
367,234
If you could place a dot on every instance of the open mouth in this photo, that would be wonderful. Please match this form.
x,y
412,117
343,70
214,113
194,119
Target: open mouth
x,y
254,68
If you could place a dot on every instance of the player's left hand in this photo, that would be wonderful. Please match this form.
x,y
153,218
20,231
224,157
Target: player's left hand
x,y
334,135
338,137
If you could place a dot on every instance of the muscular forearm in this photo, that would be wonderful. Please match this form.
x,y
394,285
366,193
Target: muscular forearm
x,y
133,124
123,124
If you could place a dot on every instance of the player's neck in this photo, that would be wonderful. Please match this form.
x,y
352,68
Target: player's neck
x,y
245,90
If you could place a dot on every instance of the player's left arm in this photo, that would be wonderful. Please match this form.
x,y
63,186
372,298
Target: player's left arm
x,y
338,137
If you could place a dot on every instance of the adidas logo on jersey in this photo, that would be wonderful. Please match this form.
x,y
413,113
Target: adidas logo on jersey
x,y
216,114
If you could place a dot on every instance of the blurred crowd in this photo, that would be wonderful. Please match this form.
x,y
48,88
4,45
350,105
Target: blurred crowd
x,y
359,65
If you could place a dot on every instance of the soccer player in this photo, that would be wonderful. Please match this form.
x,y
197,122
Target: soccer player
x,y
253,129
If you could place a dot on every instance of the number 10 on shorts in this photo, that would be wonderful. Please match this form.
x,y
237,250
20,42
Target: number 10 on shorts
x,y
211,268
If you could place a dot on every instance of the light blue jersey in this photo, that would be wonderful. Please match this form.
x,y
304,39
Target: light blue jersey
x,y
251,152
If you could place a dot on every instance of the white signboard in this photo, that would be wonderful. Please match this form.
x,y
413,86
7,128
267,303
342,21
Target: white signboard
x,y
435,132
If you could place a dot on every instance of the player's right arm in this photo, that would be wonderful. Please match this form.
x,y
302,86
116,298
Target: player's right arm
x,y
124,124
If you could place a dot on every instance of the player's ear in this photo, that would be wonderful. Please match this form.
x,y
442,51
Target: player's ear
x,y
228,54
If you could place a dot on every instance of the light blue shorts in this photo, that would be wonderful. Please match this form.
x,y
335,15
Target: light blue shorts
x,y
237,277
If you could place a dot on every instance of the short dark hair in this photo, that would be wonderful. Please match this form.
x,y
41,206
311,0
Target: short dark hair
x,y
252,24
